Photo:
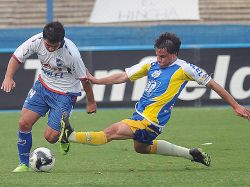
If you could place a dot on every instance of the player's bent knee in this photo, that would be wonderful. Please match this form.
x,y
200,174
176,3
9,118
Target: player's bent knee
x,y
110,134
51,136
24,125
51,139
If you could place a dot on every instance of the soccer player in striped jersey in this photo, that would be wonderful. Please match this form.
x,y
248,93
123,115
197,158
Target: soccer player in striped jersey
x,y
55,91
166,78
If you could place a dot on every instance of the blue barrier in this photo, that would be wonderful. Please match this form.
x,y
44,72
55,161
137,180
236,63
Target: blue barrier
x,y
95,38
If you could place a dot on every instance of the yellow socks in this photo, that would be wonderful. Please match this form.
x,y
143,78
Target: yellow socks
x,y
92,138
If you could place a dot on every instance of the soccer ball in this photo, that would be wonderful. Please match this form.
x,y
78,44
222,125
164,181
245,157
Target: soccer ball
x,y
42,159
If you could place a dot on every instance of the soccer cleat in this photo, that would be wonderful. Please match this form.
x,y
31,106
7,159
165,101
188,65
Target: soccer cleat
x,y
21,168
65,133
200,156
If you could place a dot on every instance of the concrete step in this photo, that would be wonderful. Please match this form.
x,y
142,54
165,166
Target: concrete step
x,y
82,4
72,20
226,17
226,11
223,1
30,21
71,9
69,14
222,6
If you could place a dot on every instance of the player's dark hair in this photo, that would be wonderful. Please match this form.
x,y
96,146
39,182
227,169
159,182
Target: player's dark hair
x,y
54,32
168,41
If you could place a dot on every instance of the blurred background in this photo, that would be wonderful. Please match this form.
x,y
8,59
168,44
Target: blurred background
x,y
114,34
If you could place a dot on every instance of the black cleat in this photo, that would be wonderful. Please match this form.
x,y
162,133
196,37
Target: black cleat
x,y
65,133
200,156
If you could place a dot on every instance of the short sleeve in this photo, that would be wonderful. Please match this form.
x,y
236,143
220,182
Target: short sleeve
x,y
138,71
79,68
26,49
193,72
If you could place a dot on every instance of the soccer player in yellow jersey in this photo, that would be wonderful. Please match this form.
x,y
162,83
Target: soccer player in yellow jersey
x,y
166,78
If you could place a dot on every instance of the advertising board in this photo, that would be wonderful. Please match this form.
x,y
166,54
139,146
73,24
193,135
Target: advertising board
x,y
230,67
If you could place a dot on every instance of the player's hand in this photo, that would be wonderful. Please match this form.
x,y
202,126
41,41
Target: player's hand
x,y
242,112
91,107
90,77
8,85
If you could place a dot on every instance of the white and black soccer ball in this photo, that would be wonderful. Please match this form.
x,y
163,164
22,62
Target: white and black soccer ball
x,y
42,159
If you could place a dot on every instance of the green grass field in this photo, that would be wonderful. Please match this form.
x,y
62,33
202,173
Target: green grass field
x,y
116,164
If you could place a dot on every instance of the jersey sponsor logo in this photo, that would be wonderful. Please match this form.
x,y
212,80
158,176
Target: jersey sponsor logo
x,y
46,66
151,86
52,74
202,75
197,69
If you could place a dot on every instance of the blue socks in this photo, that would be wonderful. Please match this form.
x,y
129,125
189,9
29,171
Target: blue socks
x,y
24,145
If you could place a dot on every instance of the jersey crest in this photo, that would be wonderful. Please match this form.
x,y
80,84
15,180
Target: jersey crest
x,y
59,62
156,73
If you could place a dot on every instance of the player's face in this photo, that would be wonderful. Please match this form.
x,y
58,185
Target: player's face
x,y
51,46
164,58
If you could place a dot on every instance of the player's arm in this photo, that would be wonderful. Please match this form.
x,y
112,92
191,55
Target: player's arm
x,y
132,73
238,109
91,104
19,57
8,82
112,79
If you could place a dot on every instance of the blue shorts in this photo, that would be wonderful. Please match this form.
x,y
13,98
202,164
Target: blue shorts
x,y
42,100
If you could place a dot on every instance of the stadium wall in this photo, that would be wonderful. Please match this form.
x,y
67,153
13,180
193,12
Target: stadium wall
x,y
94,37
223,51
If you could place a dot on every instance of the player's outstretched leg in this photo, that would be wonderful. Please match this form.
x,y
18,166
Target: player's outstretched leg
x,y
166,148
200,156
65,133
